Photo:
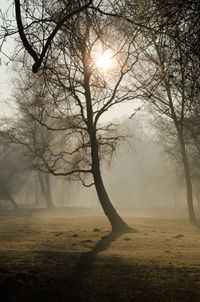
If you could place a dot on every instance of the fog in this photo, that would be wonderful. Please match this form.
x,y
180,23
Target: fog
x,y
141,180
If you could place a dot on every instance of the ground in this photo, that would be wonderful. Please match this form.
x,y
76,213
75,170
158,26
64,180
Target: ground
x,y
59,256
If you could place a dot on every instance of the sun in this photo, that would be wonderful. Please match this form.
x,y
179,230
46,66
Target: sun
x,y
104,61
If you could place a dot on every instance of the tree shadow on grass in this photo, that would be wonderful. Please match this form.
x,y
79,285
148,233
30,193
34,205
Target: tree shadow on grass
x,y
52,280
84,268
88,258
59,276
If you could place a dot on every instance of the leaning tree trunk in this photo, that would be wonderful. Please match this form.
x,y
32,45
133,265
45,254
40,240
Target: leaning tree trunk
x,y
117,223
191,213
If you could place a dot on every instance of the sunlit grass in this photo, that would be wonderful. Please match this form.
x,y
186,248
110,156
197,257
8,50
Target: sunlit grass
x,y
44,247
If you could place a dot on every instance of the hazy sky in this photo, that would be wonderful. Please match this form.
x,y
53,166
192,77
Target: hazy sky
x,y
5,72
122,110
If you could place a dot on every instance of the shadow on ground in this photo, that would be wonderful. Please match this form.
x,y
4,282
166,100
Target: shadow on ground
x,y
58,276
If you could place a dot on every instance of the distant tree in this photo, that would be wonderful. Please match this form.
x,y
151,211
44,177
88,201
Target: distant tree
x,y
22,132
31,138
167,74
13,166
44,180
20,139
192,134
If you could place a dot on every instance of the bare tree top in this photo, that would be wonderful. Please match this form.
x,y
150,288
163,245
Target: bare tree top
x,y
37,23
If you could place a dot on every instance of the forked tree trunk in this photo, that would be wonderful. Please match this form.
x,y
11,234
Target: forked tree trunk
x,y
117,223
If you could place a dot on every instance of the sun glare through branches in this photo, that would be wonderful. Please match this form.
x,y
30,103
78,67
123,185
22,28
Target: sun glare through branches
x,y
105,61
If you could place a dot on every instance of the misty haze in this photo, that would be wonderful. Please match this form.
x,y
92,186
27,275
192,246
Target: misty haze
x,y
99,151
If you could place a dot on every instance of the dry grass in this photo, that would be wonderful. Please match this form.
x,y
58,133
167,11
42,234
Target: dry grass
x,y
54,256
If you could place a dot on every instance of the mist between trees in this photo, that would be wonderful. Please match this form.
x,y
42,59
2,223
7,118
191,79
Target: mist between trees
x,y
63,95
149,182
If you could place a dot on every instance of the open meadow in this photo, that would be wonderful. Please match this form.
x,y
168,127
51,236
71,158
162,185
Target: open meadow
x,y
60,256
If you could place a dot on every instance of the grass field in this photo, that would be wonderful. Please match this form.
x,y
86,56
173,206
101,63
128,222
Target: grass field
x,y
60,256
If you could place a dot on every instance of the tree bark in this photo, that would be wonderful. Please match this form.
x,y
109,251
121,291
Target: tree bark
x,y
191,212
117,223
7,196
178,122
46,191
36,189
196,192
49,200
13,202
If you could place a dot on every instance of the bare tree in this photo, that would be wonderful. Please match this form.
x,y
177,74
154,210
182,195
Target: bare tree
x,y
167,74
13,166
29,135
44,181
37,24
192,135
31,138
77,93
